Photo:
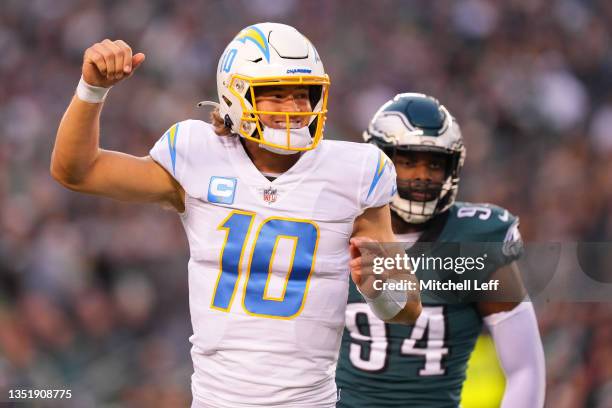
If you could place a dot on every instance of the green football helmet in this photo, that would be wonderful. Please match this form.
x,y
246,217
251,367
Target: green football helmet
x,y
412,122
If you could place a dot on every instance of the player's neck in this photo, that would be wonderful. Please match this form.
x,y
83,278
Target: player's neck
x,y
402,227
266,161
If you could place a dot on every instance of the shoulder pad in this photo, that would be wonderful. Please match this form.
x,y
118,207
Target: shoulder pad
x,y
487,223
484,222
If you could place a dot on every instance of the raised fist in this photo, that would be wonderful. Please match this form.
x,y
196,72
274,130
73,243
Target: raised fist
x,y
108,62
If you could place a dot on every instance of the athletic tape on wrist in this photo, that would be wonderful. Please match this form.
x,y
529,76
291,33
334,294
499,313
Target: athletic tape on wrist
x,y
90,93
388,303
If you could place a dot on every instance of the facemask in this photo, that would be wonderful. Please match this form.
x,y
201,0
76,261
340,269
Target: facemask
x,y
419,190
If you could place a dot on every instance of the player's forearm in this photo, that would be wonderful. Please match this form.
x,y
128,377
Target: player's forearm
x,y
76,145
520,352
76,142
412,308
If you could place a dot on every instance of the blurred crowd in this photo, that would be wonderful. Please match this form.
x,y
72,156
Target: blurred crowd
x,y
93,293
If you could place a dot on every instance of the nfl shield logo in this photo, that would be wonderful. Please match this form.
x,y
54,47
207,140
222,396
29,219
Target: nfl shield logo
x,y
269,195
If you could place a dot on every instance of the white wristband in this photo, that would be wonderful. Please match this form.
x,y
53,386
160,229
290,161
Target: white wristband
x,y
90,93
388,303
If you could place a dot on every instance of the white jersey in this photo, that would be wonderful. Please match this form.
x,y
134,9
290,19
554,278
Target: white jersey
x,y
268,273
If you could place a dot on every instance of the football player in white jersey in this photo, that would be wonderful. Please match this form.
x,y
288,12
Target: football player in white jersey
x,y
269,210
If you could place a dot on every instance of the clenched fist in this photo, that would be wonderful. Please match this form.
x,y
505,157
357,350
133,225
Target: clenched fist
x,y
363,250
108,62
364,253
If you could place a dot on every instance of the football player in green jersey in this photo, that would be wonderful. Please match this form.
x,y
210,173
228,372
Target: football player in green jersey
x,y
424,365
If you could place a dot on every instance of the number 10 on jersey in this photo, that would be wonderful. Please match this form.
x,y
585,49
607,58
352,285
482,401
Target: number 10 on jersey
x,y
237,226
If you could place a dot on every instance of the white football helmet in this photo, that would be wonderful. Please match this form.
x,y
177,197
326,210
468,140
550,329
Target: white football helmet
x,y
271,54
417,122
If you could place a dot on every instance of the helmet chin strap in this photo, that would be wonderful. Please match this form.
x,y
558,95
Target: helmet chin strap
x,y
298,138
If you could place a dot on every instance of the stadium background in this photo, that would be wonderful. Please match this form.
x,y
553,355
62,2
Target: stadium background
x,y
93,293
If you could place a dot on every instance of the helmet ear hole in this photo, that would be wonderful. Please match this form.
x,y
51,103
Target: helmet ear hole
x,y
312,128
228,121
314,94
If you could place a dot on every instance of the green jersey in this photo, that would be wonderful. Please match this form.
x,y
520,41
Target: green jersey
x,y
424,365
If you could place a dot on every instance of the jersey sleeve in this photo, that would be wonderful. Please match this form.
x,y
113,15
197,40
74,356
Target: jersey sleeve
x,y
378,184
171,150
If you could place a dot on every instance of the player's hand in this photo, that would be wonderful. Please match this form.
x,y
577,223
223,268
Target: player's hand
x,y
108,62
363,250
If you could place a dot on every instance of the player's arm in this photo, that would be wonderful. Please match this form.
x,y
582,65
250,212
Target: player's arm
x,y
370,229
78,162
514,329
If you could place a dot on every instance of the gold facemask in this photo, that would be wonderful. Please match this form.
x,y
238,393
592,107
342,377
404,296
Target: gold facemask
x,y
250,119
